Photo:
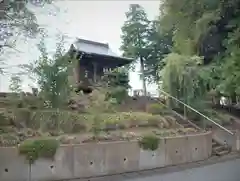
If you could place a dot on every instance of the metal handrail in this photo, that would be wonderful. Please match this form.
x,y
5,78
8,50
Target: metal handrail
x,y
220,126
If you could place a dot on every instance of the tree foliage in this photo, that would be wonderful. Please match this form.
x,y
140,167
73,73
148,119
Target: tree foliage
x,y
159,45
118,84
134,36
134,32
15,84
143,40
208,29
117,77
51,74
16,18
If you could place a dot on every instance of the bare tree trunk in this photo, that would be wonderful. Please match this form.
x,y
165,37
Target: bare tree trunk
x,y
143,77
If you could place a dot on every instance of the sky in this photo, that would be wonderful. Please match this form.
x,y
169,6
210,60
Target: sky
x,y
99,21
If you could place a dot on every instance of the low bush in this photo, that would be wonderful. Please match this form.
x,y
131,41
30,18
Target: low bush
x,y
72,122
38,148
21,116
33,102
5,118
118,93
132,119
62,121
149,142
156,108
98,102
18,117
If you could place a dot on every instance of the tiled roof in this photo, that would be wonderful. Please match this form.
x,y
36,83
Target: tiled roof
x,y
93,47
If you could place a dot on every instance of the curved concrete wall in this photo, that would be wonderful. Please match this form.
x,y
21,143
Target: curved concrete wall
x,y
76,161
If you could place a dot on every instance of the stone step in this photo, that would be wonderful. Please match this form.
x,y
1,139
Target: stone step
x,y
219,148
214,144
223,152
186,125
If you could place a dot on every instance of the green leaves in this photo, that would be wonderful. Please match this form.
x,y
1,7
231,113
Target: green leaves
x,y
39,148
51,74
15,84
117,77
18,19
142,40
210,29
149,142
181,77
159,45
134,32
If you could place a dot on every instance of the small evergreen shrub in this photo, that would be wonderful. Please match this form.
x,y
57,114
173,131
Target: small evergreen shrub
x,y
118,93
149,142
39,148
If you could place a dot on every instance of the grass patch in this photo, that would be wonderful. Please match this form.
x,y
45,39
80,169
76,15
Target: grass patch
x,y
72,122
156,108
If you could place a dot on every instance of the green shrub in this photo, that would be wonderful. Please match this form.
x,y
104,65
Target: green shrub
x,y
22,116
118,93
72,122
130,119
75,123
39,148
156,108
65,121
33,102
99,102
4,118
96,127
149,142
117,77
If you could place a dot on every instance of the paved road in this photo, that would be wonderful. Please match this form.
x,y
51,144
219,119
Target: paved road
x,y
226,171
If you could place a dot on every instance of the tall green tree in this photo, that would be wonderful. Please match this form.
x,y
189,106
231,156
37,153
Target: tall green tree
x,y
134,37
209,29
159,45
52,74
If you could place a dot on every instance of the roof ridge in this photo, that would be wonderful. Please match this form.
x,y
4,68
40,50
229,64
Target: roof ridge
x,y
93,42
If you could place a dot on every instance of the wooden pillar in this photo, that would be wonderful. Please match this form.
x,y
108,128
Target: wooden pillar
x,y
94,72
76,72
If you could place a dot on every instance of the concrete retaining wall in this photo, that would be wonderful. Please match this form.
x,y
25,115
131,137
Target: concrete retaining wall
x,y
93,159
